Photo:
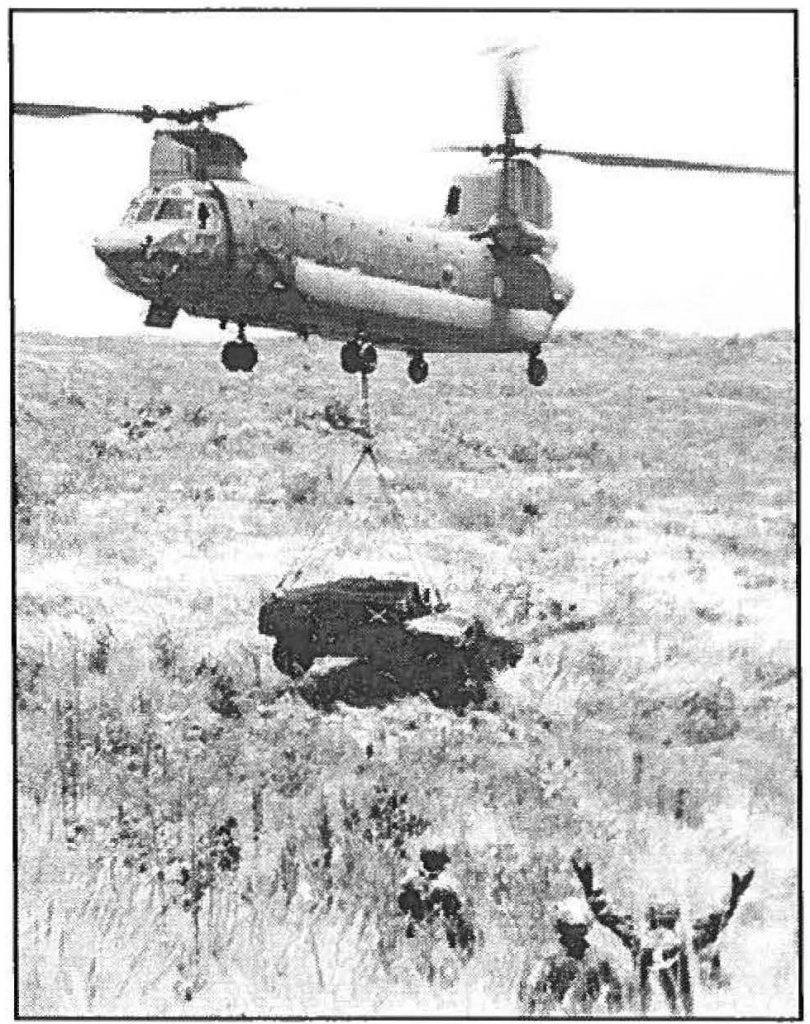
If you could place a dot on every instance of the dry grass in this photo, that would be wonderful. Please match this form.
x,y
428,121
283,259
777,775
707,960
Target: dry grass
x,y
651,481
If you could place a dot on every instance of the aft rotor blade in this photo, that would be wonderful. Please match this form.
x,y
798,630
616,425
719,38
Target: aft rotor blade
x,y
512,120
666,163
68,110
221,107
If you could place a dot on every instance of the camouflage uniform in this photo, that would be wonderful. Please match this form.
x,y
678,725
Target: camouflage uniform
x,y
571,978
429,898
661,953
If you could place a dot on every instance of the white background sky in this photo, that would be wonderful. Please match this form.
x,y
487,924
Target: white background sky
x,y
348,106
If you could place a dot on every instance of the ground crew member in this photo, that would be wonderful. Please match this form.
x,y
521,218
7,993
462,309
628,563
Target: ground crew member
x,y
660,953
429,898
570,978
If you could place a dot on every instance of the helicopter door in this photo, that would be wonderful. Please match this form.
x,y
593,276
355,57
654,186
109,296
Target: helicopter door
x,y
208,223
240,210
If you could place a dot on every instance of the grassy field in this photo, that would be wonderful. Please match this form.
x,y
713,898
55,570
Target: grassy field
x,y
191,842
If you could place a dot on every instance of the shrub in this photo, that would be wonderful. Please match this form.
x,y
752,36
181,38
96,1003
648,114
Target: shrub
x,y
337,415
524,455
709,715
99,657
301,488
222,691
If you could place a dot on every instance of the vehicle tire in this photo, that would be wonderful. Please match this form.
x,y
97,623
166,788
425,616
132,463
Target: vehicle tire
x,y
538,371
290,661
350,357
418,370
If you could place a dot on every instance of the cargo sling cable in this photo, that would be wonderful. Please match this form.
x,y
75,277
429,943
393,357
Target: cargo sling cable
x,y
296,571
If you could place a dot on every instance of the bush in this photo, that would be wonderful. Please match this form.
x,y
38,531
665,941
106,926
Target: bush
x,y
524,455
301,488
337,415
709,715
701,716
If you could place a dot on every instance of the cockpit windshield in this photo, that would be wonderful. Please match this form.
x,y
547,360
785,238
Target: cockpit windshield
x,y
174,209
146,211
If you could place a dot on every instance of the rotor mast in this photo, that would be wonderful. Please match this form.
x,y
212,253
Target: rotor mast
x,y
512,126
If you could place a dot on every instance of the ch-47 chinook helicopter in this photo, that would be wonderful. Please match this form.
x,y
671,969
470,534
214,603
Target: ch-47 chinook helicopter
x,y
203,239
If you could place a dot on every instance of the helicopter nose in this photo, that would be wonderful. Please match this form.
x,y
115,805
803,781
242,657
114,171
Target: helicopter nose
x,y
120,246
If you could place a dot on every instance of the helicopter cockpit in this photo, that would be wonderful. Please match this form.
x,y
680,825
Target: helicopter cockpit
x,y
175,203
161,228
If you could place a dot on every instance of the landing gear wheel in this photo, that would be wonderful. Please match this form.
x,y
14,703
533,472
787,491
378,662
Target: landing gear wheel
x,y
292,662
368,358
537,371
239,355
350,357
249,356
357,358
230,356
417,369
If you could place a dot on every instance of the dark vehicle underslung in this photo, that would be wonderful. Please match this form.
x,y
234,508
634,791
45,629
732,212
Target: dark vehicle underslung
x,y
393,630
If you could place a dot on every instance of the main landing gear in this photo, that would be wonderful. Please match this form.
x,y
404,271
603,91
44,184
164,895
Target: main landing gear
x,y
537,370
358,355
240,354
417,368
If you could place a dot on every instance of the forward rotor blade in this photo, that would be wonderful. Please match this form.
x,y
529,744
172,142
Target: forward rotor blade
x,y
667,163
459,149
145,113
68,110
220,108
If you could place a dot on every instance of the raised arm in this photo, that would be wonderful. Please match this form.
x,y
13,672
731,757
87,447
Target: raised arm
x,y
620,925
706,929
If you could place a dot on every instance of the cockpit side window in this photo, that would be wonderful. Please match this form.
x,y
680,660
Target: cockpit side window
x,y
174,209
146,211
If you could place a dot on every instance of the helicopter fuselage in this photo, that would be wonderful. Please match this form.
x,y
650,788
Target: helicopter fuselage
x,y
234,251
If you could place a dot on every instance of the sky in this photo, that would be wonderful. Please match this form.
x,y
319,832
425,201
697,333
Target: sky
x,y
348,105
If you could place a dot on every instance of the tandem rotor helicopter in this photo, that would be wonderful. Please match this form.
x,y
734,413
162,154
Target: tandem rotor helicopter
x,y
203,239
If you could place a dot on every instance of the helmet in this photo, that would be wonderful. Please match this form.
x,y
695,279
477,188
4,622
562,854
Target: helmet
x,y
573,910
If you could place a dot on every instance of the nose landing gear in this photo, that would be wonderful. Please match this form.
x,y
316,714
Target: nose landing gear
x,y
358,355
417,368
240,354
537,370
